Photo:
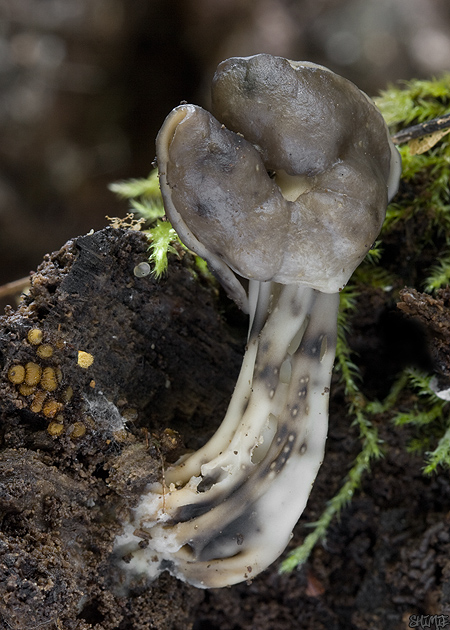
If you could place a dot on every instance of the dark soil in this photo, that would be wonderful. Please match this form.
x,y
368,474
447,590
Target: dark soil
x,y
75,459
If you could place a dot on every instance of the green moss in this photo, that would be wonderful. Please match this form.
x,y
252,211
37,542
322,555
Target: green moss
x,y
162,238
423,205
145,189
414,101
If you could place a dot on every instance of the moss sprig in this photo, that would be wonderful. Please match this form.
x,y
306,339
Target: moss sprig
x,y
144,197
415,101
439,274
430,418
440,456
162,238
361,465
145,188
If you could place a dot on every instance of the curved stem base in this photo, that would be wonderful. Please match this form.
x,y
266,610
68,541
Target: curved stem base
x,y
230,508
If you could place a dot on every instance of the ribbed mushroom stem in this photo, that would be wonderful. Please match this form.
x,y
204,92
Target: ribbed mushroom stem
x,y
230,507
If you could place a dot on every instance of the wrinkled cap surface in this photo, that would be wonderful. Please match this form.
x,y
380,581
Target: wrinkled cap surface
x,y
303,117
288,180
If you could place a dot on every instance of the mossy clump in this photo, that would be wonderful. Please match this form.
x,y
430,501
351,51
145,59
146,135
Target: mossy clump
x,y
421,210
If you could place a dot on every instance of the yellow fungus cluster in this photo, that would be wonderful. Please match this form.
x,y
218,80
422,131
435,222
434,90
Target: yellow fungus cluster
x,y
33,373
55,428
36,383
49,380
78,430
45,351
35,336
16,374
40,382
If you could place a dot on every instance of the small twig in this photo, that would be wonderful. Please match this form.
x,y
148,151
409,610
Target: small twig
x,y
422,129
155,443
12,288
54,620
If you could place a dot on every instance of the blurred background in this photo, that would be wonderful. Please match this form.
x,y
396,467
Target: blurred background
x,y
86,84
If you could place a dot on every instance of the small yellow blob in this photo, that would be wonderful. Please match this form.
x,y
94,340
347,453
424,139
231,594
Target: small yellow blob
x,y
92,384
45,351
16,374
78,430
26,390
38,401
33,374
51,408
48,380
35,336
67,394
85,359
55,428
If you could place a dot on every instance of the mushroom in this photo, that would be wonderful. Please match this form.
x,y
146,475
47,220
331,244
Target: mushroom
x,y
286,185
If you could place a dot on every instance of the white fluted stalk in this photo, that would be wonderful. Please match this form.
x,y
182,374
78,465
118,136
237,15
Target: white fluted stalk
x,y
230,507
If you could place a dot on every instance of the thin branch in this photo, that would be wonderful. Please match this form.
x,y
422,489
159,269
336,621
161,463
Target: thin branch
x,y
13,288
422,129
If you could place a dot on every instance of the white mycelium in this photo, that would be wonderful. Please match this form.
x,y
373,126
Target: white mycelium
x,y
286,186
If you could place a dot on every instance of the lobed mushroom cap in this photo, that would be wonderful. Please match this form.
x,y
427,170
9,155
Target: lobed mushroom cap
x,y
288,181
